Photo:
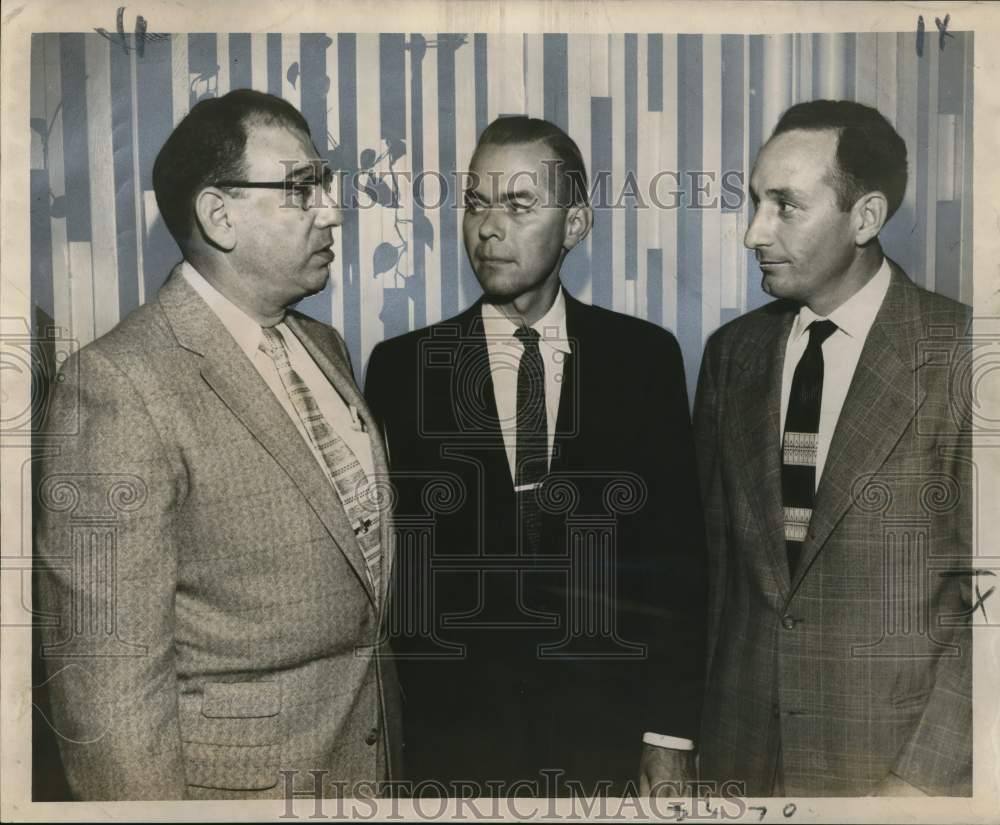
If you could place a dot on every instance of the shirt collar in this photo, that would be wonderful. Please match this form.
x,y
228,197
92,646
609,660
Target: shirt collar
x,y
244,329
856,315
551,326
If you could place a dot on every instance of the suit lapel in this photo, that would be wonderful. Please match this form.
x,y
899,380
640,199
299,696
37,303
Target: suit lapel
x,y
757,403
226,369
883,399
573,384
474,405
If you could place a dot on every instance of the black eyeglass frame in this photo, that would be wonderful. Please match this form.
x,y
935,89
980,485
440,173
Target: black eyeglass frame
x,y
289,184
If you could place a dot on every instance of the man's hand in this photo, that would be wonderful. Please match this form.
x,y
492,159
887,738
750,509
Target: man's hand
x,y
892,785
664,771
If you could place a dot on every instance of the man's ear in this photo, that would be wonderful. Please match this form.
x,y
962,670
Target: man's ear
x,y
211,210
870,213
579,220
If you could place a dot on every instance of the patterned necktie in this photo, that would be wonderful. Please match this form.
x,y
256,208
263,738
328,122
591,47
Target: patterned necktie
x,y
531,454
800,441
342,466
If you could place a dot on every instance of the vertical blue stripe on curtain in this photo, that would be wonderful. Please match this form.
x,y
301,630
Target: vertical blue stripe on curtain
x,y
604,197
40,212
469,283
155,96
446,160
122,149
240,68
918,168
850,68
274,78
313,92
392,86
202,60
422,228
479,59
689,159
75,155
556,79
347,47
733,85
631,151
756,296
654,71
951,101
392,96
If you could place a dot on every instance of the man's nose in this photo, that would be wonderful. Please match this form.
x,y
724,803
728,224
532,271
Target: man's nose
x,y
491,225
328,214
758,233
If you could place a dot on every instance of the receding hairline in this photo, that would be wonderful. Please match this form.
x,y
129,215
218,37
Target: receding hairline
x,y
833,175
550,161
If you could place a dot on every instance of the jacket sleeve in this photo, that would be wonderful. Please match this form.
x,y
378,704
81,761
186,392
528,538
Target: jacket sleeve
x,y
937,759
105,547
707,418
678,576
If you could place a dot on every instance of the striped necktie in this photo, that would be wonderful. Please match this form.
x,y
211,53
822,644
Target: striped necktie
x,y
531,452
800,442
342,466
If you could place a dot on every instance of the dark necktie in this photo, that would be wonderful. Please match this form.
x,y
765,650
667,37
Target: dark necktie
x,y
800,441
531,454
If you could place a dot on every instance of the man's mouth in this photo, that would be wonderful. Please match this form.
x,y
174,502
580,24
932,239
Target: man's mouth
x,y
326,252
770,263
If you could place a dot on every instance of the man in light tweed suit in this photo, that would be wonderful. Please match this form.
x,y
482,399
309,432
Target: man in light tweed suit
x,y
836,479
239,606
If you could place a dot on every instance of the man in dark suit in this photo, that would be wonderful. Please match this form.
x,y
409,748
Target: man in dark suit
x,y
550,601
208,535
837,484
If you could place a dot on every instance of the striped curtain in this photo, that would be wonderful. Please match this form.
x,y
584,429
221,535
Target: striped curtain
x,y
669,126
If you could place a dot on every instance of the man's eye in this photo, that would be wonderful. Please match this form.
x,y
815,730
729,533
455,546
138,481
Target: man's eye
x,y
474,204
303,193
785,208
519,207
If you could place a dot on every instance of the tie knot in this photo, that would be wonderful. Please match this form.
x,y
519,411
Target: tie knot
x,y
272,342
819,331
527,336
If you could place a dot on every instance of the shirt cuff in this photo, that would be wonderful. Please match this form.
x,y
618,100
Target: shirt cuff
x,y
661,740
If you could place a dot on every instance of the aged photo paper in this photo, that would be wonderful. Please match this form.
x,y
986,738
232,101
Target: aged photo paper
x,y
670,104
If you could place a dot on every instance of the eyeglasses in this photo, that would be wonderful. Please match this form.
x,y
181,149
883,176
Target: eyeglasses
x,y
301,193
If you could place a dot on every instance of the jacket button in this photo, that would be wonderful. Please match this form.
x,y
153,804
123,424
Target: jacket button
x,y
372,737
787,622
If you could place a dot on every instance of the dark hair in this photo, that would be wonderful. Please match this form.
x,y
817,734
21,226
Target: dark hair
x,y
871,156
208,145
571,173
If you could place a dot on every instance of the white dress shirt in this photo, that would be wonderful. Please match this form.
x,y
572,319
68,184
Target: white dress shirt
x,y
505,353
248,335
841,351
505,357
